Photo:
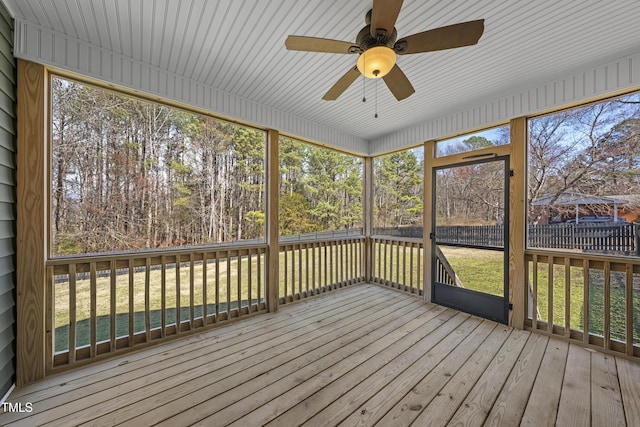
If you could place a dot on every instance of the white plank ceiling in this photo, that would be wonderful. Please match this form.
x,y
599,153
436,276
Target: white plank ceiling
x,y
238,47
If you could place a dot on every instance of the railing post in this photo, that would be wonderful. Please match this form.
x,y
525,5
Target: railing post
x,y
273,251
427,218
367,218
517,222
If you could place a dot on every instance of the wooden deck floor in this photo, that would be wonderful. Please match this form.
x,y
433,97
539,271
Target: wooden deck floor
x,y
363,355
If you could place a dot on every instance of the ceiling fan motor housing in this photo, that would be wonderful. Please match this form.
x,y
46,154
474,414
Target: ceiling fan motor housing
x,y
366,40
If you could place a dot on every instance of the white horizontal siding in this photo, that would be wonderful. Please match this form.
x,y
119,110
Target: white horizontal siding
x,y
39,44
581,86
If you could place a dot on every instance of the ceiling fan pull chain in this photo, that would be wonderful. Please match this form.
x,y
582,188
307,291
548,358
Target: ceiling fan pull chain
x,y
376,115
364,92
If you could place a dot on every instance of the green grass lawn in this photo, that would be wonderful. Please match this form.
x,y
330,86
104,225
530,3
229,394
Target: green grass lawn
x,y
479,270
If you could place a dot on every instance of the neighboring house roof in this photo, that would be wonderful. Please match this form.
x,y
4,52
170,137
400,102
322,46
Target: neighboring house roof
x,y
575,198
632,199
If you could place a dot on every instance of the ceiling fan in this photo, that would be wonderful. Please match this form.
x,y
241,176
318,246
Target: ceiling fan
x,y
377,46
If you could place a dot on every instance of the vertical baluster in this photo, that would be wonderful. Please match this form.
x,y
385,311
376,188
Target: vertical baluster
x,y
112,306
341,262
72,314
306,277
259,272
356,260
391,259
50,308
239,284
192,288
585,301
527,280
131,301
397,243
385,277
147,298
346,261
419,271
567,297
93,319
249,279
300,269
313,270
607,305
351,262
411,282
286,273
550,295
204,288
378,254
629,309
357,250
404,265
331,277
178,294
325,272
163,296
228,258
217,257
293,271
534,309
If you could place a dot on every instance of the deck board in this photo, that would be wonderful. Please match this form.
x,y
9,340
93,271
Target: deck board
x,y
542,407
363,355
575,404
477,405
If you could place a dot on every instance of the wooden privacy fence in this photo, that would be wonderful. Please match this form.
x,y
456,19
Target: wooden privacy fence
x,y
604,238
471,235
622,238
587,299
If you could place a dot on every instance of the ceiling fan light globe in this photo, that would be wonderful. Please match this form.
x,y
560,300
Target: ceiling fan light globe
x,y
376,62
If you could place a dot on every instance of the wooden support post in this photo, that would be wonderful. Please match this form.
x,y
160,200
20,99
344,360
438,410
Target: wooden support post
x,y
367,220
32,217
518,296
427,218
273,252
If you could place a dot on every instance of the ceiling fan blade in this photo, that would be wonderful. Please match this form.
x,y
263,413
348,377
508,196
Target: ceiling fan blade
x,y
384,15
398,83
315,44
449,37
342,85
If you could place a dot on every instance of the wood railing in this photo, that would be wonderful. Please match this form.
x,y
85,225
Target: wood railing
x,y
311,267
100,304
397,262
445,272
588,299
